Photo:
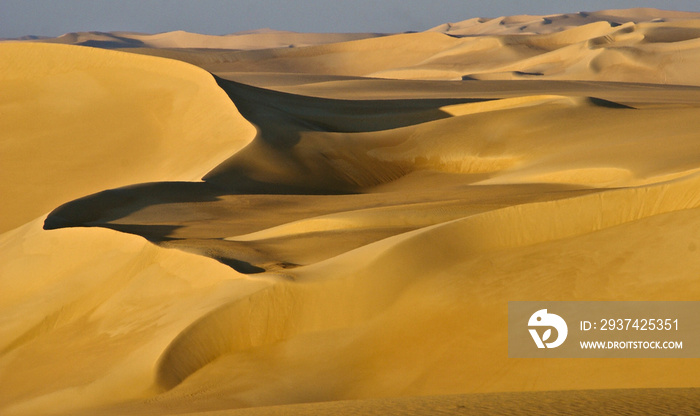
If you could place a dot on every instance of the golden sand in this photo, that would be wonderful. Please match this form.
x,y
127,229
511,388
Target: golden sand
x,y
343,218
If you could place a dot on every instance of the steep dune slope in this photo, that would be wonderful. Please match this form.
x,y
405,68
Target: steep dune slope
x,y
79,120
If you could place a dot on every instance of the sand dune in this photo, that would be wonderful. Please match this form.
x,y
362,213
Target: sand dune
x,y
75,319
70,109
527,24
338,227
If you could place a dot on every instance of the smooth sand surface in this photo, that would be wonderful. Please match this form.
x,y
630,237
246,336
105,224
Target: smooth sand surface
x,y
79,120
589,402
338,227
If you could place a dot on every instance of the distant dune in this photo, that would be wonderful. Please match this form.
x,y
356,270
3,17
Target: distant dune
x,y
538,25
259,39
286,223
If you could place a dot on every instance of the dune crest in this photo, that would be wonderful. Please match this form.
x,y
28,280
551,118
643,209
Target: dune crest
x,y
180,39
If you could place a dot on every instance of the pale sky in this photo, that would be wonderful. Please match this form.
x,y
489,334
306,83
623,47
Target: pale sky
x,y
55,17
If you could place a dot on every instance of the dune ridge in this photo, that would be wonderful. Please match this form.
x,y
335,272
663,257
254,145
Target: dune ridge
x,y
598,51
338,225
180,39
528,24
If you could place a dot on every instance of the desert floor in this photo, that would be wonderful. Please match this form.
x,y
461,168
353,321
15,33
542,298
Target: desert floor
x,y
286,223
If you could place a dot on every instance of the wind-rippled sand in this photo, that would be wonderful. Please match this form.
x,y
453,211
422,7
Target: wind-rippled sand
x,y
342,218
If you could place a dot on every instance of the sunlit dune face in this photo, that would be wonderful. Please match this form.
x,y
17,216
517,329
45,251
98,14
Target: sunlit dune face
x,y
335,223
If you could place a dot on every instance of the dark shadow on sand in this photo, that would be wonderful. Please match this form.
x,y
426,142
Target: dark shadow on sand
x,y
281,118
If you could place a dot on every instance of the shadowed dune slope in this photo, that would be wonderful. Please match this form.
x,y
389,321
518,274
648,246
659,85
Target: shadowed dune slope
x,y
286,121
390,181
